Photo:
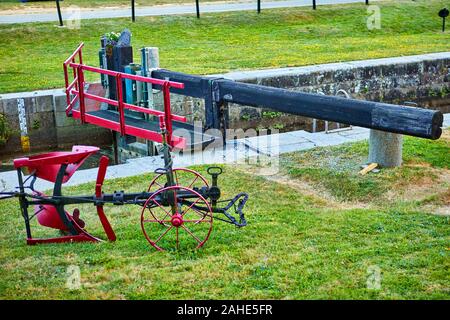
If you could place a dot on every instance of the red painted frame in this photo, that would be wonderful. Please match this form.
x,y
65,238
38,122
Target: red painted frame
x,y
76,88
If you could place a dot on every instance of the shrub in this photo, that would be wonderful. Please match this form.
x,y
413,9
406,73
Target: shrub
x,y
5,131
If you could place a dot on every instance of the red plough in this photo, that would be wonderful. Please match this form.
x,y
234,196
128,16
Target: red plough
x,y
177,210
58,167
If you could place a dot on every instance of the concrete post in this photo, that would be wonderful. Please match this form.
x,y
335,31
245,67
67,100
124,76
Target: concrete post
x,y
385,148
152,62
152,56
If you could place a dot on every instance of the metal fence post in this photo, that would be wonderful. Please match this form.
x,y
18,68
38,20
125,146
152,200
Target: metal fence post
x,y
197,8
58,8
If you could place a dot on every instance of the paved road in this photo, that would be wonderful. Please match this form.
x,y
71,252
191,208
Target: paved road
x,y
164,10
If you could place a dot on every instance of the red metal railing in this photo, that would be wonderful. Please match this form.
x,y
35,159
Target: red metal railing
x,y
77,86
74,83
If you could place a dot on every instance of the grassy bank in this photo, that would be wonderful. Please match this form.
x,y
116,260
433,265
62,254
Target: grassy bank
x,y
32,53
335,170
304,240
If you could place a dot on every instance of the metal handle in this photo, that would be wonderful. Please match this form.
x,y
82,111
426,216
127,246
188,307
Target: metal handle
x,y
212,170
160,171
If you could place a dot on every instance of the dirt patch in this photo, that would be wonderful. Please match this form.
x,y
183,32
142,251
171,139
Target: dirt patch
x,y
445,135
442,211
432,188
318,194
437,182
437,210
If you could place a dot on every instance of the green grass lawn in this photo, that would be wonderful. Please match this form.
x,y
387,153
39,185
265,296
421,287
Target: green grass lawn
x,y
304,240
32,54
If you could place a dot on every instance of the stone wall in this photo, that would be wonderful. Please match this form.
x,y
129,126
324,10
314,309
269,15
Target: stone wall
x,y
47,124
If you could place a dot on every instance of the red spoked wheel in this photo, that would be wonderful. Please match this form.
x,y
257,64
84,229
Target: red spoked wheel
x,y
183,177
170,223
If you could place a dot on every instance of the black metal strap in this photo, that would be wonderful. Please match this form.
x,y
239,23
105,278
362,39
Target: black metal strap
x,y
60,207
8,195
241,197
